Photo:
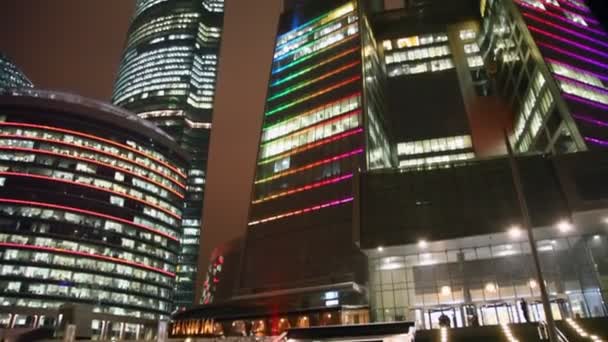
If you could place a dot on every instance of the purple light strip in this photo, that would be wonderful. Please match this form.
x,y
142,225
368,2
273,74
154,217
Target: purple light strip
x,y
574,7
585,17
572,32
585,101
597,141
581,84
568,21
568,41
590,120
602,77
573,55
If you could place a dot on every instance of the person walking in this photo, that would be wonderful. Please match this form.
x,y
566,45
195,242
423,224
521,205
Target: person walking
x,y
524,310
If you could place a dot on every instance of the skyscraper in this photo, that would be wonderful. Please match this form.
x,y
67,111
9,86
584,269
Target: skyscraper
x,y
90,210
168,76
322,124
550,59
11,76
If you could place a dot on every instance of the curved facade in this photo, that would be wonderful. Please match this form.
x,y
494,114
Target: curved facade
x,y
90,207
11,76
167,76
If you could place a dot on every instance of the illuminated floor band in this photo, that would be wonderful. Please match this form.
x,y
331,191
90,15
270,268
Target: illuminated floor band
x,y
573,55
303,211
312,145
310,166
93,137
61,180
313,95
561,28
86,255
305,188
87,212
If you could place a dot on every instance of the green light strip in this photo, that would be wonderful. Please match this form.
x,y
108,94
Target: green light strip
x,y
310,22
308,97
307,83
305,58
303,71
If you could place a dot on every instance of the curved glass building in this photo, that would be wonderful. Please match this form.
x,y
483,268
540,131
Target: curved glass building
x,y
90,210
11,76
167,75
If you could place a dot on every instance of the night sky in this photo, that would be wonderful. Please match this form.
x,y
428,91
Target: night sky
x,y
76,45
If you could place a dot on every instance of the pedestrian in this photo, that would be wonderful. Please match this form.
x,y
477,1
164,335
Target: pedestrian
x,y
444,321
524,310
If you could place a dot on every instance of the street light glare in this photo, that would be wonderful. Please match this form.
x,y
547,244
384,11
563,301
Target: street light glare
x,y
564,226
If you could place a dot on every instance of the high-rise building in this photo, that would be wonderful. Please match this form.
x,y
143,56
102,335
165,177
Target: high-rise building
x,y
11,76
322,124
90,210
168,75
549,58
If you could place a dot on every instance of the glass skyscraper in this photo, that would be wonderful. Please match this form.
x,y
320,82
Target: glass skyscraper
x,y
322,124
11,76
90,210
550,59
167,75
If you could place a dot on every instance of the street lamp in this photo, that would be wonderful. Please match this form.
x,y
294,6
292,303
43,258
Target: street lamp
x,y
527,225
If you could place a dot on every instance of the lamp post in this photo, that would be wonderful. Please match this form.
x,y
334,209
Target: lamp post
x,y
527,225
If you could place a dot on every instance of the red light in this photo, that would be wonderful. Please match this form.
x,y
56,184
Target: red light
x,y
15,136
90,136
88,255
32,150
16,174
87,212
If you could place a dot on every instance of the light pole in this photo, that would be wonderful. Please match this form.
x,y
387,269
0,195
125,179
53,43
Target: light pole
x,y
525,213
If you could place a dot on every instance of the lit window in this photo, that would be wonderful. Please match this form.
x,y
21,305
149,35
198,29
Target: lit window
x,y
575,18
408,42
282,164
471,48
474,61
119,201
534,3
467,34
388,46
576,74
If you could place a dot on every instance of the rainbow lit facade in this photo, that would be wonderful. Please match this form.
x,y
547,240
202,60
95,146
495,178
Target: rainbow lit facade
x,y
319,129
551,58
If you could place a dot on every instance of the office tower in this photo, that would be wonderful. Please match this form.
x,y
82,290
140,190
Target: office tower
x,y
11,76
90,208
549,58
323,123
168,76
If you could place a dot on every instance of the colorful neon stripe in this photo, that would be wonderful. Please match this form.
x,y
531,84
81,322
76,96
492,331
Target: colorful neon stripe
x,y
60,180
296,116
331,15
581,84
572,54
305,188
590,120
87,212
303,211
561,28
584,16
305,70
312,145
568,4
310,166
96,151
551,60
86,255
314,126
597,141
311,55
68,156
313,95
568,41
93,137
566,20
314,80
585,101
